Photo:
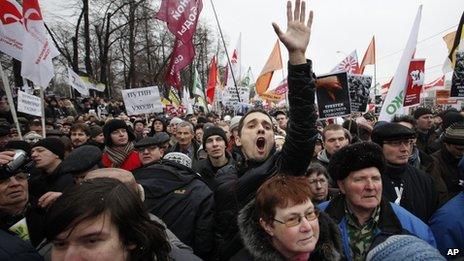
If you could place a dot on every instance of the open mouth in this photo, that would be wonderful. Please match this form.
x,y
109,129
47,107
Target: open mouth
x,y
260,144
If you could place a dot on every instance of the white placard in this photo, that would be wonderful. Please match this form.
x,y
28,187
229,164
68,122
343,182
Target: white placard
x,y
142,100
29,104
230,97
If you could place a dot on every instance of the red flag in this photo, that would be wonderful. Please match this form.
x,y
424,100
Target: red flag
x,y
181,17
212,79
440,82
369,56
414,83
181,56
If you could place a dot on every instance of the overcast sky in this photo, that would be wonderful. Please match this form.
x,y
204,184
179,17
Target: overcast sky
x,y
339,27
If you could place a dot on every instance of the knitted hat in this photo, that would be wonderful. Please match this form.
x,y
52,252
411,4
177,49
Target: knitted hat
x,y
391,131
113,125
81,159
54,145
454,134
176,120
180,158
18,144
356,157
421,111
213,130
404,247
95,130
234,122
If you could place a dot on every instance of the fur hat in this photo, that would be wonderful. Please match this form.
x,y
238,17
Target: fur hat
x,y
356,157
113,125
54,145
213,130
391,131
404,247
454,134
451,117
421,111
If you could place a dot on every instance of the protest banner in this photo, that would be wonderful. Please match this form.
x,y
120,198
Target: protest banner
x,y
414,82
77,83
142,100
443,97
457,82
230,97
29,104
359,86
333,97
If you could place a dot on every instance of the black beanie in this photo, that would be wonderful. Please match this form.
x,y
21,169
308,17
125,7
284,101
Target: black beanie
x,y
356,157
450,118
54,145
113,125
18,145
421,111
213,130
391,131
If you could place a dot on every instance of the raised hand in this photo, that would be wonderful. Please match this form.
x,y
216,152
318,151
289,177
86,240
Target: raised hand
x,y
296,38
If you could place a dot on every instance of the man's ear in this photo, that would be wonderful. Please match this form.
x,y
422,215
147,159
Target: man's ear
x,y
341,186
238,142
268,228
161,152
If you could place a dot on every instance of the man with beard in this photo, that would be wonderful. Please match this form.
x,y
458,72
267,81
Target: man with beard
x,y
80,134
214,143
237,184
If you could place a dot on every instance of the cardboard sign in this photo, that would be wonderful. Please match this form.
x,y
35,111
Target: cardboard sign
x,y
230,97
359,86
29,104
443,97
142,100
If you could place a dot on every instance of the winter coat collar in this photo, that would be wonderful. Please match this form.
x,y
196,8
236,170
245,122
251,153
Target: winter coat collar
x,y
256,240
323,157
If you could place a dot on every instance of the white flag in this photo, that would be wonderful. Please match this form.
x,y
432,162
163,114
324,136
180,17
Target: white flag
x,y
12,30
235,62
77,83
393,103
349,64
38,50
197,88
186,100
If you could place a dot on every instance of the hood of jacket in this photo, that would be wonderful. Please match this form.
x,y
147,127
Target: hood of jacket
x,y
322,156
256,240
164,177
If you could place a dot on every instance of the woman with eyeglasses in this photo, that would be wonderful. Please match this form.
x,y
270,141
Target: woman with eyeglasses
x,y
282,223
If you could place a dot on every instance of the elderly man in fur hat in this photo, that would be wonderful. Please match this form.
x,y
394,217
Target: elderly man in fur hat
x,y
364,217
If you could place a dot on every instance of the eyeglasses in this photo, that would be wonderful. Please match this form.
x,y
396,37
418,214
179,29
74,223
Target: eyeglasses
x,y
19,177
296,220
313,182
398,143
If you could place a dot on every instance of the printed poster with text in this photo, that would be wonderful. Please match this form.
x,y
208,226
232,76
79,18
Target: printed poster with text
x,y
414,82
333,96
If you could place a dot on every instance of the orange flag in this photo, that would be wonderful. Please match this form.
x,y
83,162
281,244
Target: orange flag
x,y
369,56
212,80
274,62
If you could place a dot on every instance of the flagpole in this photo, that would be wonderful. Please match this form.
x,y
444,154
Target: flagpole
x,y
10,100
41,92
227,53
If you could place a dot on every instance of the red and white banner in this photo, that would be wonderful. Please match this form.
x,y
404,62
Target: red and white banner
x,y
38,51
181,56
443,97
414,82
11,29
439,82
181,17
349,64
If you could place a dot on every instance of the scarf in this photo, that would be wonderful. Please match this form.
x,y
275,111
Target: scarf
x,y
118,155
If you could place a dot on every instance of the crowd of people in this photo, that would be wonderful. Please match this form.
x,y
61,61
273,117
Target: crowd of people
x,y
259,186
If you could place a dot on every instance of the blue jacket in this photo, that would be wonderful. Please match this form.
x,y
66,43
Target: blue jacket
x,y
393,220
447,225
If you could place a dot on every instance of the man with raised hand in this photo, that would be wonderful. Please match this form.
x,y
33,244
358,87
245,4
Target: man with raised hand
x,y
236,184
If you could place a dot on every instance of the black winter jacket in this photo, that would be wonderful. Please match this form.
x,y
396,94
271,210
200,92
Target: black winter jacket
x,y
178,196
419,195
208,172
14,248
236,185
